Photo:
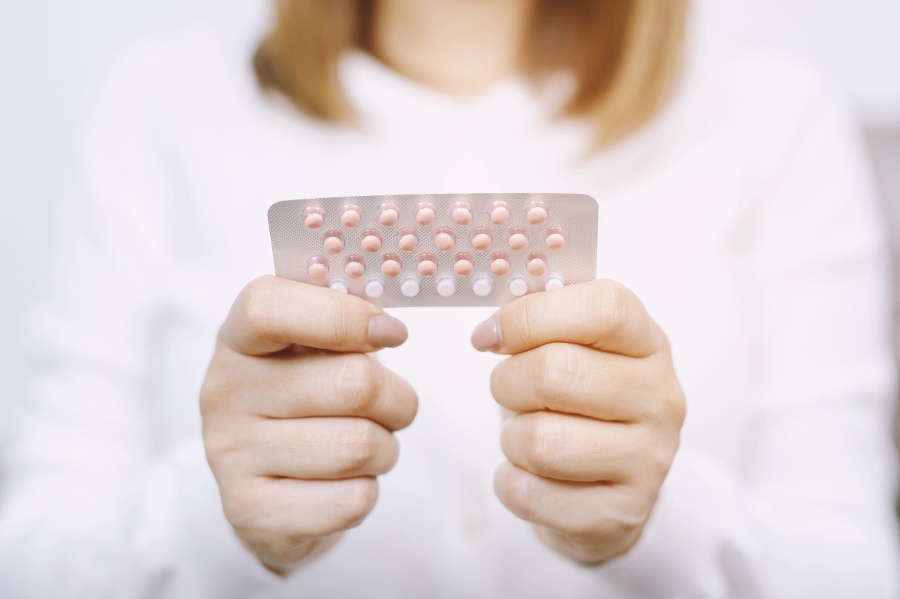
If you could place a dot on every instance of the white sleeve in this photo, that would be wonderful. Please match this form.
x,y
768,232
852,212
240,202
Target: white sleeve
x,y
90,504
810,515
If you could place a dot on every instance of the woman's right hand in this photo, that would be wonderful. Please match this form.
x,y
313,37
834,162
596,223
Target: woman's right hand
x,y
297,419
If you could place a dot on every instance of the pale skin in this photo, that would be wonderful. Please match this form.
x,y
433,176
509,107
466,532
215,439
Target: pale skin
x,y
298,417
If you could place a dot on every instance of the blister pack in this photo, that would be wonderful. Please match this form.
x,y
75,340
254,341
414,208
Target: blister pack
x,y
437,250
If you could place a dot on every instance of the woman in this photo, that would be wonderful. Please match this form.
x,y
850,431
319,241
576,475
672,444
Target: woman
x,y
738,247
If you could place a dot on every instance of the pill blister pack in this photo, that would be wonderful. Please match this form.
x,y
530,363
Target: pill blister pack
x,y
437,250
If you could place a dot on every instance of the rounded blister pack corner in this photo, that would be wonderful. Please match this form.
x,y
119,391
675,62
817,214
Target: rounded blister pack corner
x,y
477,249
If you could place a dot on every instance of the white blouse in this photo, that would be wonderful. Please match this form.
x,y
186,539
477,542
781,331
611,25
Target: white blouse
x,y
742,216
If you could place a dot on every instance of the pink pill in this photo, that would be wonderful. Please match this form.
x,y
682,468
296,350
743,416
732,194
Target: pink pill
x,y
518,240
354,267
313,220
499,212
463,265
425,213
537,215
537,266
350,215
334,242
427,268
317,268
390,265
500,264
409,241
444,240
371,241
555,241
461,216
536,212
481,238
388,214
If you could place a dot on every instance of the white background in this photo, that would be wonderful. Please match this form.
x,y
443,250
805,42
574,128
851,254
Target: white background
x,y
53,52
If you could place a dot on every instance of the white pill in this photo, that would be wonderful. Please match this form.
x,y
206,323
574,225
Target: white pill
x,y
518,286
374,288
553,282
339,285
446,287
482,286
409,288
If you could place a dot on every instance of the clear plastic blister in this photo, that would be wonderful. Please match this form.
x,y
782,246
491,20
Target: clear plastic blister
x,y
437,250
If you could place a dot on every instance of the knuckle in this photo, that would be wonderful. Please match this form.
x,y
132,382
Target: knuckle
x,y
217,387
614,303
542,450
286,546
241,508
358,383
357,502
620,520
557,370
522,495
219,448
359,447
255,308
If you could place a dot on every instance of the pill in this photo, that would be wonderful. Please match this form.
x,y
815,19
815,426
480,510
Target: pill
x,y
537,265
446,287
425,213
461,213
518,286
499,212
388,214
481,239
371,241
334,243
500,264
463,265
390,265
444,240
313,217
339,285
350,215
482,286
374,288
427,265
554,238
518,240
317,268
553,282
354,267
409,287
409,241
536,212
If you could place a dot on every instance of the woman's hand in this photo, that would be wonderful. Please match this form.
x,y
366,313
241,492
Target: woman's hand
x,y
297,419
595,413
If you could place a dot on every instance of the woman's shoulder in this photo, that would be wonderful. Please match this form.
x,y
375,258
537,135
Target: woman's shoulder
x,y
760,97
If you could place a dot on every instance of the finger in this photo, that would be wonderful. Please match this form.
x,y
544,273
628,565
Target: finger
x,y
574,448
578,380
272,314
324,448
584,511
282,513
603,315
312,385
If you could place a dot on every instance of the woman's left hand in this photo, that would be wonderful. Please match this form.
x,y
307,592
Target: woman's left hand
x,y
595,414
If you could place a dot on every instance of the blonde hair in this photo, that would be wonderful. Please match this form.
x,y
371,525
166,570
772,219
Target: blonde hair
x,y
624,54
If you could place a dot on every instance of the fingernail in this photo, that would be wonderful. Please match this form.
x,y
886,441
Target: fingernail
x,y
486,336
385,331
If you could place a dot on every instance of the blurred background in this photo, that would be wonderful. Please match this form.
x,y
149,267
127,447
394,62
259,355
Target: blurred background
x,y
54,52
